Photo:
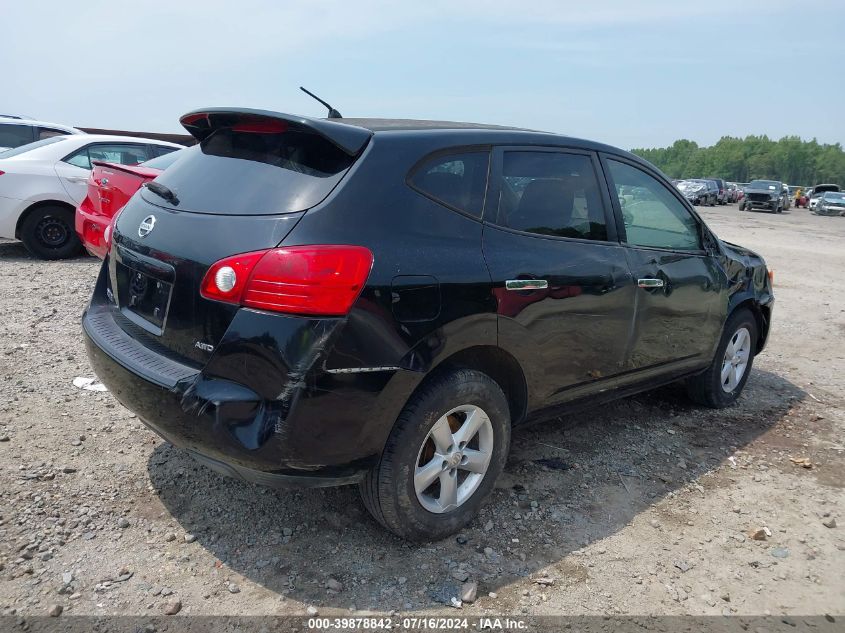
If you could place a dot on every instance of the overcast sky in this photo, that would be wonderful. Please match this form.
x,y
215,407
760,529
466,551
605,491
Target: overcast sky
x,y
632,73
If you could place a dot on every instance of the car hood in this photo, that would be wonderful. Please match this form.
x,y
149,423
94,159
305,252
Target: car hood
x,y
761,190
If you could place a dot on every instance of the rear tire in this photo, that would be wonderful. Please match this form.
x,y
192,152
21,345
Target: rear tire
x,y
48,233
720,385
394,491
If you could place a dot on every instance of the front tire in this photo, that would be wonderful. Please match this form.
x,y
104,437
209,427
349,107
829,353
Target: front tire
x,y
442,458
48,233
721,384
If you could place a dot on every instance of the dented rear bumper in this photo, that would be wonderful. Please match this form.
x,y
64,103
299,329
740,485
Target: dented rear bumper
x,y
296,424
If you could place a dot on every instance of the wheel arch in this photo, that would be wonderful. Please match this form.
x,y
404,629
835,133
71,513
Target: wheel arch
x,y
38,205
496,363
762,315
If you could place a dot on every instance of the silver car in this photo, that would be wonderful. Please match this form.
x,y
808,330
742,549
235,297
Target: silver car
x,y
830,203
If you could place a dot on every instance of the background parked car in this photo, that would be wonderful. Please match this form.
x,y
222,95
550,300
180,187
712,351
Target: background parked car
x,y
816,192
16,132
733,192
830,203
42,183
787,196
698,192
722,193
764,194
713,188
109,188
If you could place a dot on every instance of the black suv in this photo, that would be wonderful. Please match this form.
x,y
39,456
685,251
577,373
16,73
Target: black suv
x,y
764,194
317,302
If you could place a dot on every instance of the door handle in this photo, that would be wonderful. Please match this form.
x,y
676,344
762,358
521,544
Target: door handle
x,y
526,284
77,178
650,283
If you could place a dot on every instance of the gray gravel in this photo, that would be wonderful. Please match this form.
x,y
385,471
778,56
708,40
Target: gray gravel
x,y
643,506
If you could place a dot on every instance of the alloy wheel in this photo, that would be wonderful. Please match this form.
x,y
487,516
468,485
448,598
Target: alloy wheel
x,y
735,362
453,459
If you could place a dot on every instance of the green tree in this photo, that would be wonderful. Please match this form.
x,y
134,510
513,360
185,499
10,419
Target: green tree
x,y
789,159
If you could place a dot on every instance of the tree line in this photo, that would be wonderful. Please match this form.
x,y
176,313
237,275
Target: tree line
x,y
790,160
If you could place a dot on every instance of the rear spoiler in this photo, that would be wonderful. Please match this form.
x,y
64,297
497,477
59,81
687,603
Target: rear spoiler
x,y
351,139
135,170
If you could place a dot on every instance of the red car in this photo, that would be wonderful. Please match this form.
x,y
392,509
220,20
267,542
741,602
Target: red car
x,y
109,188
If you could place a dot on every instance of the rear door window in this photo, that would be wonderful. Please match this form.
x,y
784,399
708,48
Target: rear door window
x,y
254,173
118,153
457,180
551,193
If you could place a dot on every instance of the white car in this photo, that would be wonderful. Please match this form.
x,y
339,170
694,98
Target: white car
x,y
16,131
42,183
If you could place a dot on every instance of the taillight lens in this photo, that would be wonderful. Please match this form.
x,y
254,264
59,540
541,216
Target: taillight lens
x,y
108,233
312,280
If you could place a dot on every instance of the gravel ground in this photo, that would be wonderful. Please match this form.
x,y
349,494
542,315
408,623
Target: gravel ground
x,y
644,506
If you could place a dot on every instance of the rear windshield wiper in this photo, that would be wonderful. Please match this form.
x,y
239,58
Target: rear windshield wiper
x,y
163,192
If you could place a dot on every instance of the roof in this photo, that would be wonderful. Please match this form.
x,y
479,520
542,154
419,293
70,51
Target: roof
x,y
351,135
179,139
118,137
68,128
385,125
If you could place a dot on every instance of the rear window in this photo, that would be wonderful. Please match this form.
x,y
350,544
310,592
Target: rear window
x,y
457,180
165,161
249,173
15,135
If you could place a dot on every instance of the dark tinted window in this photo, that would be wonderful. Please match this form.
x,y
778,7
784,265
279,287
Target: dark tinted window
x,y
165,161
251,173
551,193
163,150
457,180
653,216
15,135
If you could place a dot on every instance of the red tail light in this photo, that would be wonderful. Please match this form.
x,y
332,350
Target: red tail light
x,y
312,280
109,231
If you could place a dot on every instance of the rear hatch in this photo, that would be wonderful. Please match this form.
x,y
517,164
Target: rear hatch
x,y
112,185
242,189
